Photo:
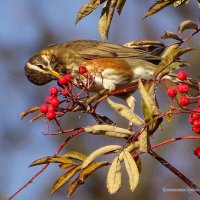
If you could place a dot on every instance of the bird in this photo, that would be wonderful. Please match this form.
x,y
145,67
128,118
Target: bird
x,y
112,66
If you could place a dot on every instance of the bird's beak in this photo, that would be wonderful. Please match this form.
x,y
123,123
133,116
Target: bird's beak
x,y
53,72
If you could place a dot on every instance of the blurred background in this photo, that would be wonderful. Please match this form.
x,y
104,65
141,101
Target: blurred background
x,y
26,27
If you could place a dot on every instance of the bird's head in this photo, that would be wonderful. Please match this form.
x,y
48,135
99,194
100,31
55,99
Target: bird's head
x,y
43,68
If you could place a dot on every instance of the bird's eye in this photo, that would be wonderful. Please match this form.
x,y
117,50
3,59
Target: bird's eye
x,y
41,66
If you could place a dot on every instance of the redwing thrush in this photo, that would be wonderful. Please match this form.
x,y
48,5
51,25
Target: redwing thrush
x,y
113,66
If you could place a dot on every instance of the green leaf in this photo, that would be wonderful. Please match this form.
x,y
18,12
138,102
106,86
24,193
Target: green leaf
x,y
113,182
148,100
83,176
51,159
99,152
125,112
185,25
65,178
132,170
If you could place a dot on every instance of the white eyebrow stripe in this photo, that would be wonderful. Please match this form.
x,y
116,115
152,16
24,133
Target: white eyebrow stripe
x,y
35,67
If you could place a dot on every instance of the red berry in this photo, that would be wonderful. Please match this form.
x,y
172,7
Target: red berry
x,y
196,130
53,90
183,88
55,102
51,108
171,92
196,123
43,108
82,70
184,101
48,99
198,103
197,151
65,79
50,115
65,92
182,75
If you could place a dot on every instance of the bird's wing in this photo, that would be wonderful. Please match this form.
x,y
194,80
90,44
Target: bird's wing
x,y
91,49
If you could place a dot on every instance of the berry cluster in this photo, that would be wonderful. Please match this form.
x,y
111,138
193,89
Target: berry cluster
x,y
182,88
65,88
194,120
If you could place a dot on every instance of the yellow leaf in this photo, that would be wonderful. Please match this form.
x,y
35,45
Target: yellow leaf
x,y
132,170
143,141
83,175
109,130
148,100
114,176
75,155
65,178
99,152
51,159
185,25
126,113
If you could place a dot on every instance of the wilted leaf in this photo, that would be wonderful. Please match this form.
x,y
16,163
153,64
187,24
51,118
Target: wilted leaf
x,y
132,170
83,175
143,140
159,5
87,8
108,130
99,152
185,25
49,159
126,113
120,5
148,100
28,111
171,35
113,182
75,155
65,178
36,117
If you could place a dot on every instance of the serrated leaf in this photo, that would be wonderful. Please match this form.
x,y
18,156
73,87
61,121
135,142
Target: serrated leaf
x,y
185,25
75,155
113,182
159,5
99,152
132,170
109,130
125,112
65,178
143,140
148,100
83,175
120,5
50,159
87,8
171,35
